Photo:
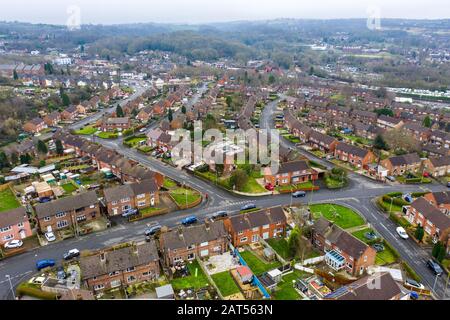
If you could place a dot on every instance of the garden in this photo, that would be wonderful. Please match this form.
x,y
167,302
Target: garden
x,y
285,289
195,280
341,216
107,135
257,265
86,131
185,196
225,283
7,200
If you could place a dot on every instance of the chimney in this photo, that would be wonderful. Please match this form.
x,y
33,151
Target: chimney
x,y
180,233
102,257
207,225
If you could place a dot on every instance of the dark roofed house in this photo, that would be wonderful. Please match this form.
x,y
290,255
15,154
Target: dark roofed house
x,y
418,131
322,142
440,200
399,165
35,125
290,173
356,156
387,122
186,244
14,225
121,266
112,124
438,166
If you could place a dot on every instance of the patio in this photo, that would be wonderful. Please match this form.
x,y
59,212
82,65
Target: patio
x,y
221,263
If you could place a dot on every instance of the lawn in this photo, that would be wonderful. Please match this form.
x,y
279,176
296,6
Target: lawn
x,y
281,247
225,283
306,185
342,216
87,180
69,188
360,235
334,184
180,195
385,257
191,281
252,186
169,184
107,135
257,265
7,200
86,131
285,290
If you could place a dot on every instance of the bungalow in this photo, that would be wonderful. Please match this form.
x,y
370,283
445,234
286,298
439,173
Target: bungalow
x,y
417,131
440,200
35,126
387,122
67,212
343,251
435,223
131,196
250,227
356,156
186,244
438,166
290,173
52,119
69,113
113,124
401,164
322,142
364,289
121,266
14,225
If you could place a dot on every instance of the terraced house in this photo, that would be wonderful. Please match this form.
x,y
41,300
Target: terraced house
x,y
186,244
438,166
66,212
297,128
120,267
356,156
14,225
401,164
289,173
131,196
322,142
249,228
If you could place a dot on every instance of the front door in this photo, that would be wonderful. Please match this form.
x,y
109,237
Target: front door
x,y
23,234
49,228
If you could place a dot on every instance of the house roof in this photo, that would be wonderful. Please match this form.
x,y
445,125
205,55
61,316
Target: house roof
x,y
118,120
406,159
13,217
66,204
389,119
347,148
293,166
317,136
257,219
431,213
441,197
440,161
118,260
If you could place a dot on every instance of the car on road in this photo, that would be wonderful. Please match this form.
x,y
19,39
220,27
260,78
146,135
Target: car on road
x,y
143,130
435,267
414,284
189,220
219,215
50,236
448,184
153,230
299,194
249,206
71,254
129,213
402,233
42,264
378,247
14,244
370,236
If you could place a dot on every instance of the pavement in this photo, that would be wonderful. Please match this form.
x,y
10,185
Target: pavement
x,y
358,195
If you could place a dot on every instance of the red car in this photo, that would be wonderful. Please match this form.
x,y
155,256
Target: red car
x,y
270,187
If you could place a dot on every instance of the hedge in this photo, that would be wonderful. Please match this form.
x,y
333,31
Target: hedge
x,y
393,250
25,289
400,221
411,272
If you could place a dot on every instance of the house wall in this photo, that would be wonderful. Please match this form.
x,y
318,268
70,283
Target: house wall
x,y
86,214
15,232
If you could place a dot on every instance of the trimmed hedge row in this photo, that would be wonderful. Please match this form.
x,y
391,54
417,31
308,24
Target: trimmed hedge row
x,y
25,289
411,272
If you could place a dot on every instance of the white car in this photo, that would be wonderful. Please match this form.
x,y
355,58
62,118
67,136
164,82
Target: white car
x,y
414,284
402,233
14,244
50,236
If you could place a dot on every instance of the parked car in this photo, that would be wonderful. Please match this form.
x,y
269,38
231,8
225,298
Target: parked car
x,y
270,187
391,178
299,194
402,233
152,230
370,236
414,284
42,264
448,184
219,215
50,236
249,206
71,254
378,247
14,244
45,200
189,220
435,267
129,213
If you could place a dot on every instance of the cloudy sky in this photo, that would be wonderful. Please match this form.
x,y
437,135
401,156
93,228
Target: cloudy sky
x,y
201,11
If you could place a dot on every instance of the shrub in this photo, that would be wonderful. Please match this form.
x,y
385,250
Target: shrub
x,y
391,248
411,272
26,289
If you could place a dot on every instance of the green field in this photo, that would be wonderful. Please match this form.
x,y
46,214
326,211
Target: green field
x,y
225,283
385,257
342,216
183,196
169,184
191,281
7,200
257,265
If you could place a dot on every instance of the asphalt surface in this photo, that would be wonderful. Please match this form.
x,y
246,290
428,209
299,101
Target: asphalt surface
x,y
358,195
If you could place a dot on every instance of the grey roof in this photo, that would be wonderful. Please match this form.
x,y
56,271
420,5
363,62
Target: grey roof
x,y
118,120
432,214
66,204
347,148
130,190
406,159
118,259
442,197
287,167
389,119
440,161
322,137
257,219
13,217
185,237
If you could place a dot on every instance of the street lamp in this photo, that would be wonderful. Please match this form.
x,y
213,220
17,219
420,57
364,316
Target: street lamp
x,y
435,282
11,286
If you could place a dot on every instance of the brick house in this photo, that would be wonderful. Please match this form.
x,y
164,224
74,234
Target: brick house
x,y
131,196
297,128
186,244
69,113
112,124
120,267
387,122
145,114
363,116
440,138
435,223
250,227
356,156
440,200
35,126
343,251
65,212
289,173
14,225
52,119
401,164
322,142
418,131
438,166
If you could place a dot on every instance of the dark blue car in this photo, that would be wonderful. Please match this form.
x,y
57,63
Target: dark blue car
x,y
42,264
189,220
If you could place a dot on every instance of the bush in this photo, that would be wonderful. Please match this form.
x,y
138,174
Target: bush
x,y
391,248
26,289
400,221
411,272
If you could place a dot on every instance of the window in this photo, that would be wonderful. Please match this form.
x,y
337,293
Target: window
x,y
191,247
99,287
177,259
204,244
47,219
114,203
240,233
115,273
62,224
125,200
255,238
61,215
130,269
244,239
8,237
141,203
81,218
140,196
131,279
5,229
20,225
191,256
146,274
116,283
266,226
255,229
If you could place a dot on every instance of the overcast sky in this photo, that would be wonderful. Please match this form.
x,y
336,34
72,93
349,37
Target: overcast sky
x,y
202,11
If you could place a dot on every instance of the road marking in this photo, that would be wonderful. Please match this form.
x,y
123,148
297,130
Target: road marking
x,y
17,276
